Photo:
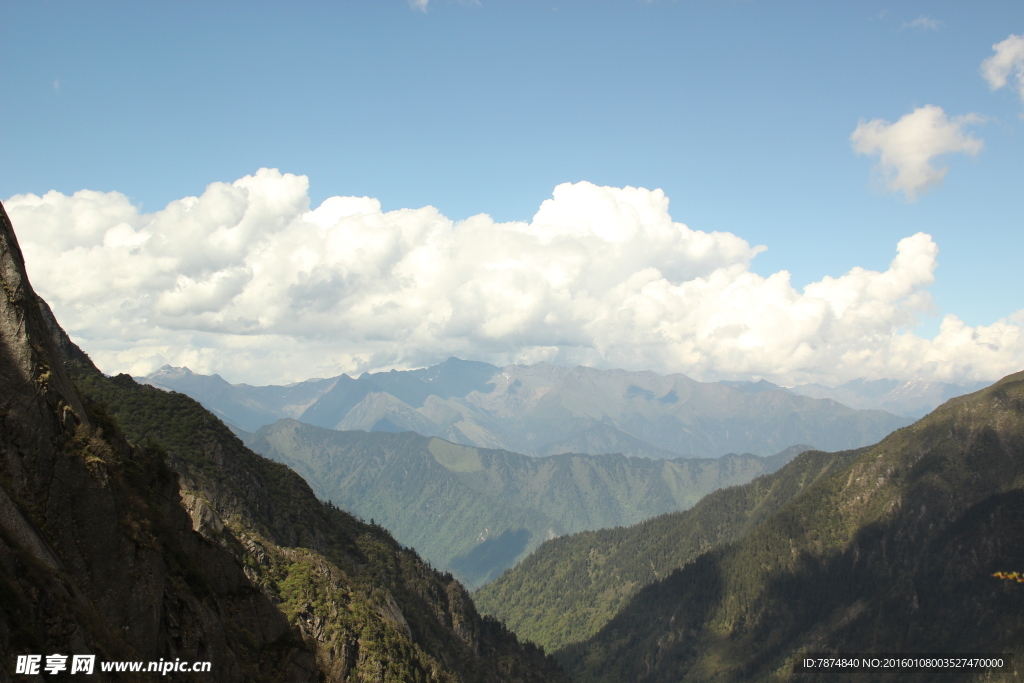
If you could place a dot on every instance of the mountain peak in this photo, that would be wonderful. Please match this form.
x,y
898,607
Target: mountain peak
x,y
168,370
749,387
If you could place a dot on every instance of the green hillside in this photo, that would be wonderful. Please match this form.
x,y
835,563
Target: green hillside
x,y
893,553
474,511
572,586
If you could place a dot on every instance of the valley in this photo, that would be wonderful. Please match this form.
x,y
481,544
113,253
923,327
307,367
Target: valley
x,y
476,512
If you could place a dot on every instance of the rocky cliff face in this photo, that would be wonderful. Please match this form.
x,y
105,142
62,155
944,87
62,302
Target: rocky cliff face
x,y
135,526
96,553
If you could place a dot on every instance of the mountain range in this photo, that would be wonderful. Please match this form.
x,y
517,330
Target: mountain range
x,y
476,512
544,409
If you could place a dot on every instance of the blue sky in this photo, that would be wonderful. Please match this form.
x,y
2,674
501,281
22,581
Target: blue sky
x,y
742,112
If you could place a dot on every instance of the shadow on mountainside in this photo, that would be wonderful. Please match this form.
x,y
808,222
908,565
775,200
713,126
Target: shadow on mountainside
x,y
893,590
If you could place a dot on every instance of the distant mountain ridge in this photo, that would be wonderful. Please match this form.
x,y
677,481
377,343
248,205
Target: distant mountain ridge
x,y
475,512
911,398
242,405
544,409
914,398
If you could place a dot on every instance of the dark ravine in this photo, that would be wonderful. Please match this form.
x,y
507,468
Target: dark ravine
x,y
135,526
894,551
475,511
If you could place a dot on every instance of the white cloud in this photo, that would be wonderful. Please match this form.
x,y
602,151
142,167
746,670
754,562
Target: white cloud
x,y
421,5
247,281
924,23
908,148
1006,63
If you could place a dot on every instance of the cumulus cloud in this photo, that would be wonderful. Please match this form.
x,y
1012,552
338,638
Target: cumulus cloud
x,y
249,281
1006,64
907,149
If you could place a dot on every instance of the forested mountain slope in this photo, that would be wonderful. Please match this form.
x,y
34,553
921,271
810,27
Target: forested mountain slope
x,y
572,586
893,553
135,526
475,512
